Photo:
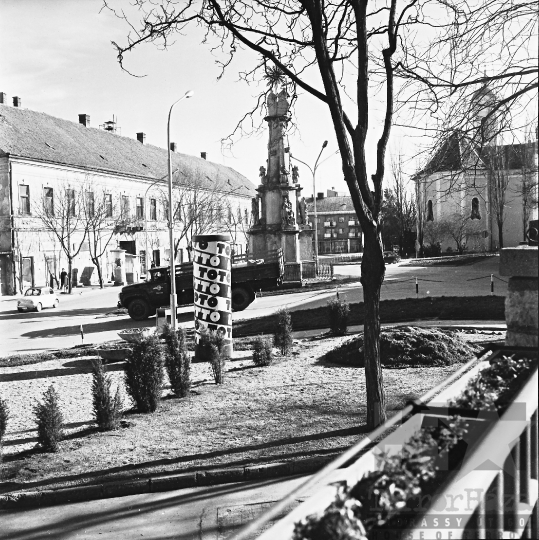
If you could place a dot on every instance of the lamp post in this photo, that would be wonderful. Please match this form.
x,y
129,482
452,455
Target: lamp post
x,y
313,172
173,299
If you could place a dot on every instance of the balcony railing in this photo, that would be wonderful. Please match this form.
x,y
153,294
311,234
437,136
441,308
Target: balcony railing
x,y
493,494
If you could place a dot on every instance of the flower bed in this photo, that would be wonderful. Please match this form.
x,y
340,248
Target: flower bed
x,y
380,495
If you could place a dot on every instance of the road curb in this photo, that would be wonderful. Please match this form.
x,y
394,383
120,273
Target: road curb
x,y
209,477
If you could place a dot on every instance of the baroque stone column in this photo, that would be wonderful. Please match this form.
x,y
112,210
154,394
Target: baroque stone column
x,y
274,208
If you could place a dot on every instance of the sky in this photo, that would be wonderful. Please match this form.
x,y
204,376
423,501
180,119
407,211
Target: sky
x,y
58,58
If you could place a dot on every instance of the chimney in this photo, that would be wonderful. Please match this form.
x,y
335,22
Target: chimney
x,y
17,101
319,195
84,119
141,137
3,98
173,146
203,155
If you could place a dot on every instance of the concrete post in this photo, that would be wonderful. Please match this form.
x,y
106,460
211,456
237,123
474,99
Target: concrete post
x,y
118,256
521,303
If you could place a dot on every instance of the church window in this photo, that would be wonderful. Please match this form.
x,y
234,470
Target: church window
x,y
430,213
475,209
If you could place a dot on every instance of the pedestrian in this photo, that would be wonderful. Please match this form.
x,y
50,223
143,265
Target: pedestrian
x,y
152,265
63,280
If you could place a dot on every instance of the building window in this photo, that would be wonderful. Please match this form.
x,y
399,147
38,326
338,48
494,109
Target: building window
x,y
246,215
125,206
430,213
153,209
165,210
341,219
71,207
90,203
475,209
48,201
341,231
24,200
108,205
140,208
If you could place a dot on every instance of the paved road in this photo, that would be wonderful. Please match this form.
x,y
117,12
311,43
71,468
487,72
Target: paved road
x,y
60,327
207,513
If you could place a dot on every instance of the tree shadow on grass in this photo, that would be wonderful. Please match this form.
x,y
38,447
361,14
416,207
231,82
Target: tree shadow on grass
x,y
144,469
59,372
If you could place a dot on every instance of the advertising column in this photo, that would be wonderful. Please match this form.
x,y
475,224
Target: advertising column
x,y
212,283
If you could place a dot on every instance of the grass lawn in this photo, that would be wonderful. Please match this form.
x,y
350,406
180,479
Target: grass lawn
x,y
300,406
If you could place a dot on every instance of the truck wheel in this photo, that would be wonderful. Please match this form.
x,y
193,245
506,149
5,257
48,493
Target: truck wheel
x,y
241,298
138,309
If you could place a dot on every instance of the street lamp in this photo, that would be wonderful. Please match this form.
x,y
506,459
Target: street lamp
x,y
173,299
313,172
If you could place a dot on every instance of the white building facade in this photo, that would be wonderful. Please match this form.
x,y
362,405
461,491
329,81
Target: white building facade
x,y
61,172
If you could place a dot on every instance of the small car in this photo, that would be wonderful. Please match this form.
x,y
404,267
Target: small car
x,y
37,298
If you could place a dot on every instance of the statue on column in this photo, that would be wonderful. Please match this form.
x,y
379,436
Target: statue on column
x,y
288,219
301,211
262,174
295,174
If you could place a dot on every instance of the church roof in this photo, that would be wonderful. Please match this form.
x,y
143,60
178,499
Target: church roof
x,y
457,153
38,136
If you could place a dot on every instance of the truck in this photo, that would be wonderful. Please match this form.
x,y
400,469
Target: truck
x,y
248,276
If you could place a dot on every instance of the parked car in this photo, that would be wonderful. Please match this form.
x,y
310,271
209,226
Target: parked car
x,y
391,257
37,298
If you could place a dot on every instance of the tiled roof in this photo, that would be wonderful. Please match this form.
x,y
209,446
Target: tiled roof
x,y
39,136
457,153
331,204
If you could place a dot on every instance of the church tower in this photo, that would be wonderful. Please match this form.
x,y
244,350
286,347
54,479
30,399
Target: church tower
x,y
486,123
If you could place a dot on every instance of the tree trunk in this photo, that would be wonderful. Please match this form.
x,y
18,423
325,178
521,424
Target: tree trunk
x,y
500,235
372,276
95,261
69,274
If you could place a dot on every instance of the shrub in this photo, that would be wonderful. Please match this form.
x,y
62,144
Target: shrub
x,y
211,347
50,421
144,374
177,361
283,331
432,250
262,353
4,416
107,407
339,311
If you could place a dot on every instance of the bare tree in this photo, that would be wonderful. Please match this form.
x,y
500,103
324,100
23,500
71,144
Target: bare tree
x,y
198,210
62,213
102,220
399,205
434,233
342,53
460,228
237,223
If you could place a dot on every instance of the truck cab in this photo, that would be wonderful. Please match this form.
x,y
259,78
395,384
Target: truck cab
x,y
142,299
